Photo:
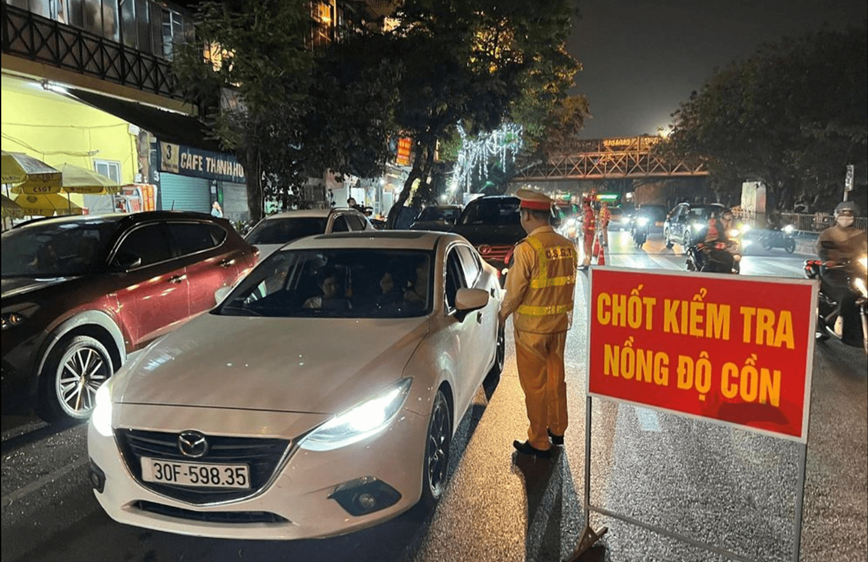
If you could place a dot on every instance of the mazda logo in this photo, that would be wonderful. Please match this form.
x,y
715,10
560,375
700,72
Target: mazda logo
x,y
192,444
485,249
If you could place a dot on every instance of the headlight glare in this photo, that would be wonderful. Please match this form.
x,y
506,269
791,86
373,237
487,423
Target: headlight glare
x,y
697,226
789,229
859,283
863,261
16,314
734,233
360,422
642,221
102,412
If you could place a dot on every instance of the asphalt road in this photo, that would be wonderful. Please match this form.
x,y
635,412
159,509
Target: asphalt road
x,y
729,487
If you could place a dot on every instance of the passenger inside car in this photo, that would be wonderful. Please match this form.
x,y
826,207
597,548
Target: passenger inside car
x,y
331,298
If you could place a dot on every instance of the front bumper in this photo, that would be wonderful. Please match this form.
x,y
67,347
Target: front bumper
x,y
306,497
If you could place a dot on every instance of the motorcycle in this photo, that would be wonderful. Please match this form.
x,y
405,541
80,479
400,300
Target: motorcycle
x,y
779,239
847,322
640,231
716,257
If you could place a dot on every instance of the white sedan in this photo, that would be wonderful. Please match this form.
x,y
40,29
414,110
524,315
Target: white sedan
x,y
319,397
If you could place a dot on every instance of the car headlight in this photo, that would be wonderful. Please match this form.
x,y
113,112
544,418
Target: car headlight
x,y
745,228
734,233
362,421
863,261
642,221
789,229
859,283
16,314
571,222
697,226
101,418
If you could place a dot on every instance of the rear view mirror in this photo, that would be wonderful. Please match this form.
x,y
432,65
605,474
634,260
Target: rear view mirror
x,y
467,300
126,261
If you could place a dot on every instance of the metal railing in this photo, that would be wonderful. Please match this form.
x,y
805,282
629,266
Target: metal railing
x,y
30,36
805,222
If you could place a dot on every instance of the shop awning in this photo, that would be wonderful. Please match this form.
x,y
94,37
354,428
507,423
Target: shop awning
x,y
167,126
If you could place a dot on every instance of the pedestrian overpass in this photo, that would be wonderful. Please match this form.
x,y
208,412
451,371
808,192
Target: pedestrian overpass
x,y
611,158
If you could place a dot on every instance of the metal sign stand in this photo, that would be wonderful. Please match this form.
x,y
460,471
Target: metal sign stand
x,y
589,537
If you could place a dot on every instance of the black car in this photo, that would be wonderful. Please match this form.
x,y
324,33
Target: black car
x,y
81,292
437,217
687,220
493,225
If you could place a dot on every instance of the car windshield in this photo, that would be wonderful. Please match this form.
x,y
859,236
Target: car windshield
x,y
438,214
283,230
702,213
494,212
55,249
336,283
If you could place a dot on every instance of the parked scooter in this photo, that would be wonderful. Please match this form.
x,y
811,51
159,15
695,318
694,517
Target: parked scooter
x,y
782,238
847,323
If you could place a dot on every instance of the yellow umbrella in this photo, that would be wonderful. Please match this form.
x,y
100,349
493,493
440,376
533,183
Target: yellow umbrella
x,y
10,209
81,180
34,176
47,204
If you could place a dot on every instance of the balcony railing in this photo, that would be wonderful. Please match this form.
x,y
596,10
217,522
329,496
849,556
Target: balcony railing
x,y
33,37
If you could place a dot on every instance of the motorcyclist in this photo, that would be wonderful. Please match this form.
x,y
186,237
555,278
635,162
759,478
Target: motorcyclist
x,y
836,246
716,232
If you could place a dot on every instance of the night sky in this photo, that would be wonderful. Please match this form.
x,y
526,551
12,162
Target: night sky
x,y
641,58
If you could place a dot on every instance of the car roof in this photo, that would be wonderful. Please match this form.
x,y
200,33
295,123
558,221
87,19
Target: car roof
x,y
305,213
377,239
117,218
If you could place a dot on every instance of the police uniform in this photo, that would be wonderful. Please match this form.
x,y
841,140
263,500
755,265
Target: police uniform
x,y
589,230
605,217
539,292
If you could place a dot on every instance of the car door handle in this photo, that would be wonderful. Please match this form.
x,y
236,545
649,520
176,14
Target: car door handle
x,y
228,262
479,318
177,278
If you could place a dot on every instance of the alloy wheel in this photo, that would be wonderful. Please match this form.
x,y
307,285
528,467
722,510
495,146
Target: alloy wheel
x,y
82,369
437,457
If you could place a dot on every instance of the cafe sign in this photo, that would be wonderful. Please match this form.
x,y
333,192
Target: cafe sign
x,y
189,161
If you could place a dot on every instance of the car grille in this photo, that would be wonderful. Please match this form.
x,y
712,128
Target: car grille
x,y
211,516
262,455
494,253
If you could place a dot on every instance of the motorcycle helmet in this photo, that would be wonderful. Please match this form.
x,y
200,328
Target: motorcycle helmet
x,y
845,213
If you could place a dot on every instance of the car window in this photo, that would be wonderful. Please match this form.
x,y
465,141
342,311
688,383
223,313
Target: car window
x,y
286,229
492,212
356,222
336,283
340,224
192,237
469,264
454,277
55,249
148,243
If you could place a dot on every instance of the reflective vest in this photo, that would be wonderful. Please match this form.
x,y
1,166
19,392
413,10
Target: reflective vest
x,y
547,306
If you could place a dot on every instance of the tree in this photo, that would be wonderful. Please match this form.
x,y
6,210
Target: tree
x,y
294,112
467,62
793,116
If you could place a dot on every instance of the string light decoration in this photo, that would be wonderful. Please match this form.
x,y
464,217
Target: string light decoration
x,y
475,154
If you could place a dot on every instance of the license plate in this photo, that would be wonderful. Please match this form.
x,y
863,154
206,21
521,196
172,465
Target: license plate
x,y
196,475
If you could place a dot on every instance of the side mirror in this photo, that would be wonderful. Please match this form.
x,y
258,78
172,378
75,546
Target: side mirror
x,y
467,300
221,294
126,261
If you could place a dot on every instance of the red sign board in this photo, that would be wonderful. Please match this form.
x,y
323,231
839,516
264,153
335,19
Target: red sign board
x,y
728,348
403,157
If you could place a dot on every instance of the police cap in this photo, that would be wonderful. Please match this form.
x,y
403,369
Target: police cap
x,y
534,200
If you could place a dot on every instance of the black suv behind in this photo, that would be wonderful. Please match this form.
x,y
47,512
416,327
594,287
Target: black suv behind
x,y
493,225
687,220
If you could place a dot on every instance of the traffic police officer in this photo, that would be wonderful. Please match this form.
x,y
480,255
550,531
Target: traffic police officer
x,y
589,230
539,291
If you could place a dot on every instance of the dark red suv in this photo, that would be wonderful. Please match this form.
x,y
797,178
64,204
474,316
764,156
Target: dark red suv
x,y
79,293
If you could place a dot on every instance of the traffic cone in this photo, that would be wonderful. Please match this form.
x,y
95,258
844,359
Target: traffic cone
x,y
596,251
601,259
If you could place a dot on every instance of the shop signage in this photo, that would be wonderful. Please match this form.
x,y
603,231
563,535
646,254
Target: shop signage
x,y
403,156
727,348
189,161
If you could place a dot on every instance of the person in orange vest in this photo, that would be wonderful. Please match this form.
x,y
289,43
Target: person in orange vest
x,y
605,217
539,295
589,230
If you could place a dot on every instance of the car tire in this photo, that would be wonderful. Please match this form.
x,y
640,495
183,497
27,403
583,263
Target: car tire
x,y
790,246
80,361
685,239
499,355
437,444
668,240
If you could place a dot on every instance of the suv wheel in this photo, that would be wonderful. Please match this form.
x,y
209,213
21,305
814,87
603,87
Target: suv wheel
x,y
74,371
667,239
685,239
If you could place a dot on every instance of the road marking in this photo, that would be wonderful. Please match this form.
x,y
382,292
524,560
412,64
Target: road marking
x,y
648,420
48,478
